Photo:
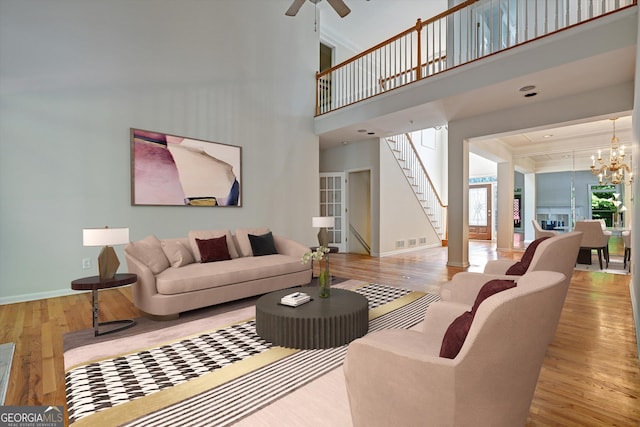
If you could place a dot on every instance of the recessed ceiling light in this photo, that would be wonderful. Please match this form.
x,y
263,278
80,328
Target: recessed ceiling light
x,y
530,94
527,88
345,142
547,135
371,133
362,130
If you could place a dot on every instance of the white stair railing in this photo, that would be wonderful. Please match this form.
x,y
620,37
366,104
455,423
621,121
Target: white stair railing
x,y
467,32
417,176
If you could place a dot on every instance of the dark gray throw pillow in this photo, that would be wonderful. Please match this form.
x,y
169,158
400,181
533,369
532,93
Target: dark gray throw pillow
x,y
263,244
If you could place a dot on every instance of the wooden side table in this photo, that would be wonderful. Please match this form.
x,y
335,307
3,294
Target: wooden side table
x,y
93,284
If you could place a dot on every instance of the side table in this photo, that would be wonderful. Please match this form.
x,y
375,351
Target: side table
x,y
93,284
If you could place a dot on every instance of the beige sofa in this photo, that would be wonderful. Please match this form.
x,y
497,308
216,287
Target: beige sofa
x,y
172,279
397,376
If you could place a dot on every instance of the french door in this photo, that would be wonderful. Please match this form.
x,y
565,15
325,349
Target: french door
x,y
333,203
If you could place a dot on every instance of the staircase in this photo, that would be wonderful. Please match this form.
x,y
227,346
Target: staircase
x,y
417,176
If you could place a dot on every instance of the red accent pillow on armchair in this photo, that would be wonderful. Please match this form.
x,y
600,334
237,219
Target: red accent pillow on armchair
x,y
458,330
455,335
520,267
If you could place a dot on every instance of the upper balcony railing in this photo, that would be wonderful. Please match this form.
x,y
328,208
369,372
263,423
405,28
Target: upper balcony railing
x,y
467,32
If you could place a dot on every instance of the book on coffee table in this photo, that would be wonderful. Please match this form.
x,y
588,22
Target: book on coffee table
x,y
295,299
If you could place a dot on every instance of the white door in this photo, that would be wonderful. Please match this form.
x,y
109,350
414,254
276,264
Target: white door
x,y
332,203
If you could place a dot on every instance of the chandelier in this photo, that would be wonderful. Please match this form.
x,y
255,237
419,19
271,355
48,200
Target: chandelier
x,y
616,170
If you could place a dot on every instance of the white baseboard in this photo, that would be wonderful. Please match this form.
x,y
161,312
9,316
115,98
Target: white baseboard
x,y
411,249
36,296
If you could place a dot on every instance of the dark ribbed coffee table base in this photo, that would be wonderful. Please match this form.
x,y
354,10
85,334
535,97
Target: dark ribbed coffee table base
x,y
320,323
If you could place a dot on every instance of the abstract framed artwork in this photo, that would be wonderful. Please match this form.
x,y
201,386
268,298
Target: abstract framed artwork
x,y
170,170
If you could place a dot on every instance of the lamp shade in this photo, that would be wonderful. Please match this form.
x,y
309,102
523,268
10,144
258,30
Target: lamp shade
x,y
105,236
323,221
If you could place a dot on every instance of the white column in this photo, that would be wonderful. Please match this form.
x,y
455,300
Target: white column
x,y
458,208
529,205
505,206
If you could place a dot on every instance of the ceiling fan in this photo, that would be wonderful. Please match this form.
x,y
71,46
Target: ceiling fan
x,y
338,5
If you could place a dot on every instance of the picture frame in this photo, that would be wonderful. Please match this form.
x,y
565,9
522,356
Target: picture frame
x,y
171,170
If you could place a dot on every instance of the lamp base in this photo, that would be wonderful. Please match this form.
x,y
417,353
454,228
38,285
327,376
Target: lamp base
x,y
108,263
323,237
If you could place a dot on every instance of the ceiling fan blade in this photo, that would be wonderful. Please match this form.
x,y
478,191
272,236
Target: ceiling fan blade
x,y
295,7
340,7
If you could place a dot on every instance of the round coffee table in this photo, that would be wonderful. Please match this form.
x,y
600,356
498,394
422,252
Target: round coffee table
x,y
320,323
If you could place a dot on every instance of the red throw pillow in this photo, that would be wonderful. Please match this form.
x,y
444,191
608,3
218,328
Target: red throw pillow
x,y
455,335
459,329
492,287
521,267
213,249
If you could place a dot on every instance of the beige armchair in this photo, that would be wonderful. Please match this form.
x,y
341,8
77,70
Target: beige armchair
x,y
395,377
557,253
540,232
594,236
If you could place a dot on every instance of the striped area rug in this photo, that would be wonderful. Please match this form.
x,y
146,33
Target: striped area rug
x,y
219,377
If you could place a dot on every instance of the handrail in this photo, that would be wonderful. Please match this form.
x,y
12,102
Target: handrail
x,y
457,36
360,239
424,169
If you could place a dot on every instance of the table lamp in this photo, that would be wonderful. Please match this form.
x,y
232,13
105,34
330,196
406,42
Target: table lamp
x,y
323,222
108,262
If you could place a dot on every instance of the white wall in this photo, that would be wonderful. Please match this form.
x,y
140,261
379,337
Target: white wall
x,y
76,75
634,286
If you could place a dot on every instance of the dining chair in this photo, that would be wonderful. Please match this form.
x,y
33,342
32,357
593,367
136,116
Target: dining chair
x,y
594,237
541,232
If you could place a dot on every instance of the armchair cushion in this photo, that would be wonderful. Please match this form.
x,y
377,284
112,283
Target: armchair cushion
x,y
457,332
455,335
520,267
490,288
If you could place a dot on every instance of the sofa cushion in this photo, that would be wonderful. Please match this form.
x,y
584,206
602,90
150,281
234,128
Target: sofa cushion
x,y
262,245
521,267
178,252
242,236
212,250
149,252
210,234
198,276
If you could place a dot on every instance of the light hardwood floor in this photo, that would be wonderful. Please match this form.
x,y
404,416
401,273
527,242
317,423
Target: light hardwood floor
x,y
591,374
